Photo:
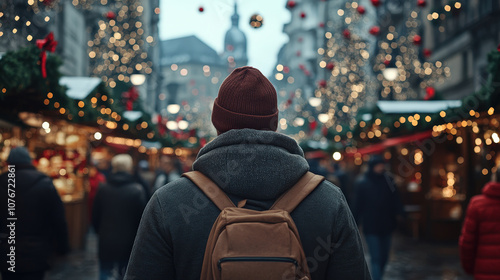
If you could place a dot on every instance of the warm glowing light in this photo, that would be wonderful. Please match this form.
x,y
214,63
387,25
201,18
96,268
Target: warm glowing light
x,y
390,73
337,156
137,79
314,101
172,125
495,138
323,118
183,124
173,108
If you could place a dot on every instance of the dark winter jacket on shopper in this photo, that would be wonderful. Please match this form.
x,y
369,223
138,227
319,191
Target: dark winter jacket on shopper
x,y
247,164
40,228
480,239
377,202
118,207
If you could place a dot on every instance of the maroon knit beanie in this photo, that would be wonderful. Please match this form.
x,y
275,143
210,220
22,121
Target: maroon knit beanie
x,y
246,99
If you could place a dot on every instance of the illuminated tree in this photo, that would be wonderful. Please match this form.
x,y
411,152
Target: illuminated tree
x,y
346,60
401,63
119,47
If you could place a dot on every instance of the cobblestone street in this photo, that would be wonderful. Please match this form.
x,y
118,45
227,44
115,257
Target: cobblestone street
x,y
417,260
410,260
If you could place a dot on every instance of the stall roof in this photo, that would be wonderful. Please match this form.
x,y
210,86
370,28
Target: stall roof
x,y
409,107
150,144
380,147
79,87
132,115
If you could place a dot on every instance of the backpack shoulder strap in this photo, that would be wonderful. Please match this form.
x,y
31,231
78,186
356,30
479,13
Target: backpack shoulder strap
x,y
294,196
210,189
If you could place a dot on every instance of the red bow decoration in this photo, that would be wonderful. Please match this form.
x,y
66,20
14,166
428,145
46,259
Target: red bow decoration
x,y
130,97
47,44
430,92
346,33
374,30
312,126
361,10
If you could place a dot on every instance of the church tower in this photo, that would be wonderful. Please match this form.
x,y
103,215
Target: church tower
x,y
235,43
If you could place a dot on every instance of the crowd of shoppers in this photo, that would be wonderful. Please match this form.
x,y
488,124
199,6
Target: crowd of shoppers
x,y
155,225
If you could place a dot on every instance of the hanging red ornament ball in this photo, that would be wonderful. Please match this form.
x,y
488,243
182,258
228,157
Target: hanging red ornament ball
x,y
330,66
313,125
302,67
303,15
286,69
498,47
110,15
421,3
299,53
47,2
256,21
430,92
361,10
346,33
427,52
321,24
291,4
322,83
417,40
324,130
375,30
387,62
201,9
376,3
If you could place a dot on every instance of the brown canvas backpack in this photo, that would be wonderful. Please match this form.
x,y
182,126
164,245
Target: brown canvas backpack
x,y
247,244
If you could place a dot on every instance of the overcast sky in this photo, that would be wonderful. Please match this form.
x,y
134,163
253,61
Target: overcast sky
x,y
182,18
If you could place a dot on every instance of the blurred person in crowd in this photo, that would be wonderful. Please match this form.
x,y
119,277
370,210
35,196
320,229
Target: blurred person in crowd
x,y
104,167
248,160
144,184
117,211
168,172
340,178
480,239
95,179
187,165
146,173
40,220
316,167
377,209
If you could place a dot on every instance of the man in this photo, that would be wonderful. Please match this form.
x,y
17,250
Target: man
x,y
118,206
40,220
480,238
377,208
248,160
168,173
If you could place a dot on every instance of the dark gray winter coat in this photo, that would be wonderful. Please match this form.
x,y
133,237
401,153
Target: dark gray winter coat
x,y
246,164
40,223
118,207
